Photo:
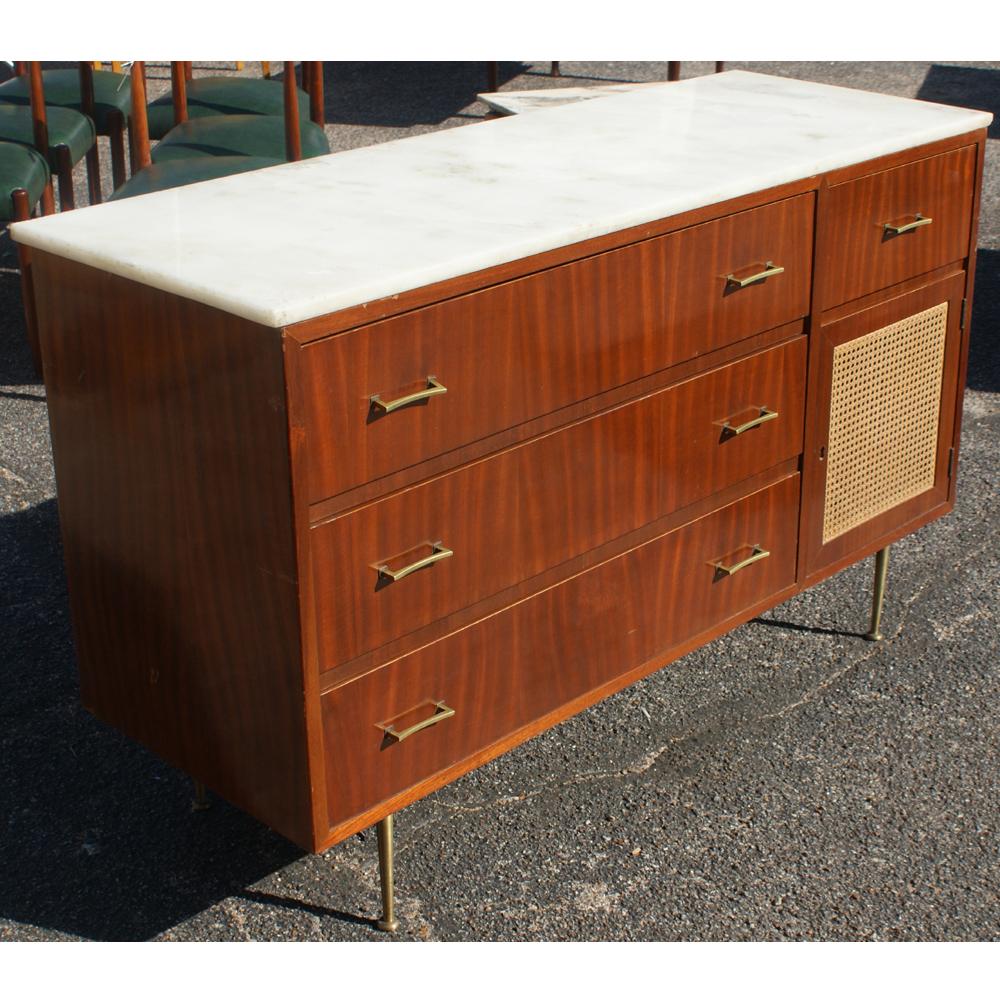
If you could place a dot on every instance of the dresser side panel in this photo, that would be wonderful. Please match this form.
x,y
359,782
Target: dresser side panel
x,y
170,442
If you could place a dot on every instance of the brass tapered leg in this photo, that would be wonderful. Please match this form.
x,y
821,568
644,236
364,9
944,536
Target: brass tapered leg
x,y
388,921
200,801
878,595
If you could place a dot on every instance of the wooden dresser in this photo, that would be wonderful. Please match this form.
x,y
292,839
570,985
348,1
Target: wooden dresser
x,y
434,444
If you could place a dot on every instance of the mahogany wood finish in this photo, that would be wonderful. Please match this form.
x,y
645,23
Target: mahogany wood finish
x,y
293,130
177,532
139,124
521,664
227,497
865,257
317,108
512,516
178,88
528,347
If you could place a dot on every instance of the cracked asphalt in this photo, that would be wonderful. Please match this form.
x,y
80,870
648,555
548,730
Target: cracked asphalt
x,y
789,781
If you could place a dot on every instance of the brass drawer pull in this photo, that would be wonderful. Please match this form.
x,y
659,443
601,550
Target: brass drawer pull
x,y
758,554
762,418
443,712
439,553
769,272
918,221
434,388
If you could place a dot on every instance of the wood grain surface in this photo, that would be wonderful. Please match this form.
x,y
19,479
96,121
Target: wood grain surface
x,y
862,256
520,664
528,347
171,456
514,515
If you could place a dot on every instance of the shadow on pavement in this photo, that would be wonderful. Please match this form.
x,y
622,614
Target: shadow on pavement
x,y
16,367
984,335
98,836
964,87
402,94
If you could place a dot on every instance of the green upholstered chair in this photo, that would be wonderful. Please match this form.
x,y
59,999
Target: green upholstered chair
x,y
24,176
211,96
260,135
237,135
177,172
24,182
103,96
64,135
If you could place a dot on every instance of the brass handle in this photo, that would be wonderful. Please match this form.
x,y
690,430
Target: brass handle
x,y
439,553
434,388
764,416
443,712
918,221
758,554
769,272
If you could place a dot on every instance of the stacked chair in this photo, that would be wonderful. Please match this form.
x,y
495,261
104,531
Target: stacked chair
x,y
26,182
101,95
221,128
62,133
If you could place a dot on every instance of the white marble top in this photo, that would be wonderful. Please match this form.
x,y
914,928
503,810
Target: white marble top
x,y
295,241
519,102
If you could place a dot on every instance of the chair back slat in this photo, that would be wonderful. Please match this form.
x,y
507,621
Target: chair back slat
x,y
316,110
293,135
139,127
178,88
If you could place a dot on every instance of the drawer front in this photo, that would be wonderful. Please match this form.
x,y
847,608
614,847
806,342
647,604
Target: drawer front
x,y
512,516
515,667
897,224
526,348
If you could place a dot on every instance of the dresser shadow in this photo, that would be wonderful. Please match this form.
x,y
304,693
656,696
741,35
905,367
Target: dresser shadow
x,y
810,629
404,94
984,335
964,87
99,839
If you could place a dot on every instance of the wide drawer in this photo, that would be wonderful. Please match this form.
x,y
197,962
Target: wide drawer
x,y
492,524
528,347
897,224
515,667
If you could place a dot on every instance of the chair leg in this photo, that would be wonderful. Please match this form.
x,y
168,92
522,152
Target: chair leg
x,y
22,211
673,71
492,76
554,70
93,175
116,136
720,67
388,921
878,594
64,171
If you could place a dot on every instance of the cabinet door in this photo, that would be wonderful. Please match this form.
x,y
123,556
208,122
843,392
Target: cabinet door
x,y
883,388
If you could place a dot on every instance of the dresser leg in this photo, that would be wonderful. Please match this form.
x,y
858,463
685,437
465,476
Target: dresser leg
x,y
388,921
200,801
878,595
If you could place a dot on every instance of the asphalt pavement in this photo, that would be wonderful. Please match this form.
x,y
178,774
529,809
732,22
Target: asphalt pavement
x,y
788,781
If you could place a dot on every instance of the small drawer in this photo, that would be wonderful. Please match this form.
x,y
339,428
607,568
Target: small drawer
x,y
412,558
897,224
395,393
409,720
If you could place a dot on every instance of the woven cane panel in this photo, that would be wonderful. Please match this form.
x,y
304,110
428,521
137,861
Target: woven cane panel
x,y
884,410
